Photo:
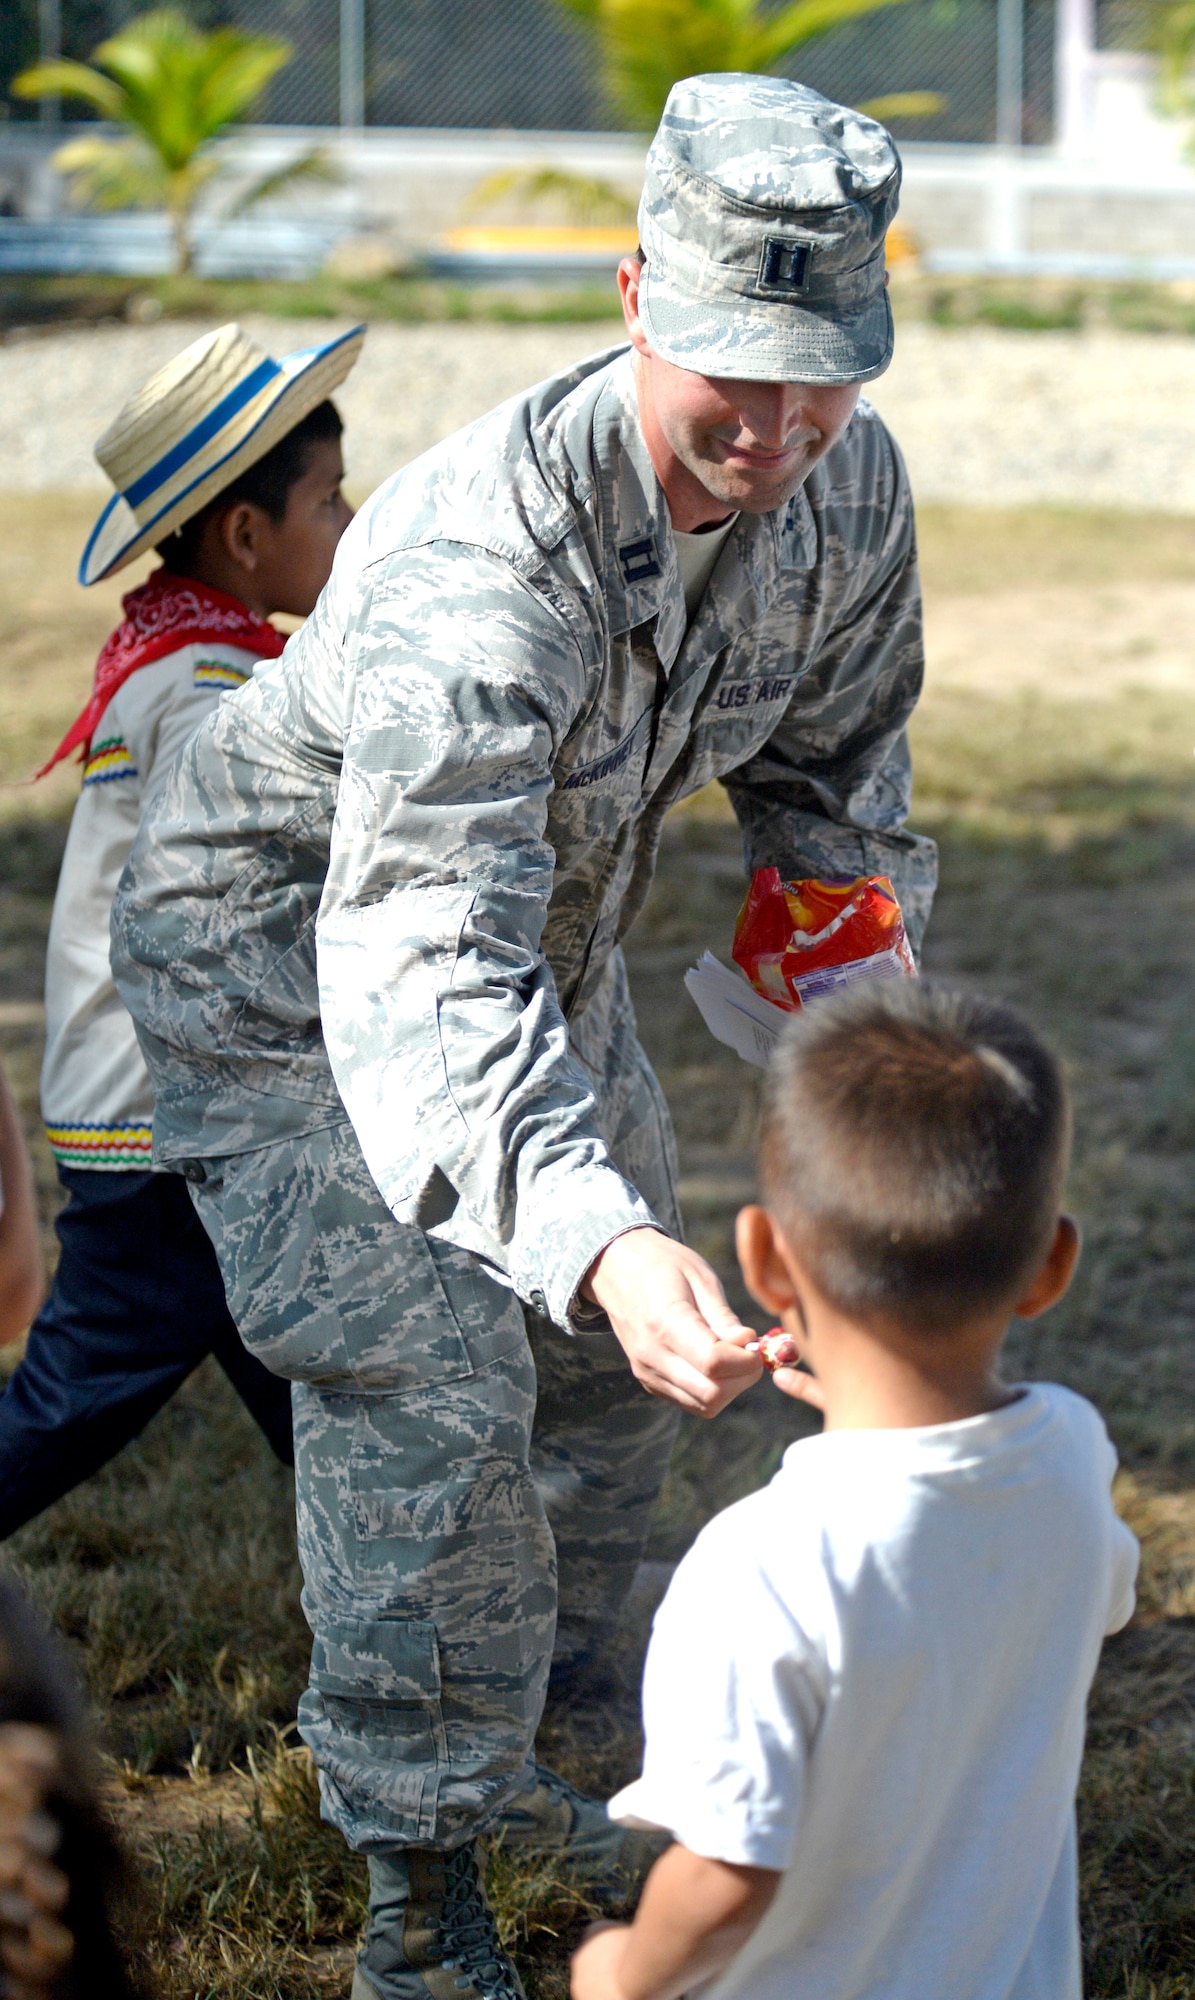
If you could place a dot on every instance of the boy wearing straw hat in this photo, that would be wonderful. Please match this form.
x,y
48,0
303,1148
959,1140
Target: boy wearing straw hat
x,y
229,464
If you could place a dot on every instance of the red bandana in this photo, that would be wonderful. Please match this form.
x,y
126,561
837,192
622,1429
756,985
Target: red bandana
x,y
161,615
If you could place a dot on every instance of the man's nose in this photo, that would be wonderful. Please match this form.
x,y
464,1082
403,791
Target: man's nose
x,y
774,412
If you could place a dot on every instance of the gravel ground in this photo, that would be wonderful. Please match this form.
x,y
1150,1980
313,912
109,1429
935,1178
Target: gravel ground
x,y
985,418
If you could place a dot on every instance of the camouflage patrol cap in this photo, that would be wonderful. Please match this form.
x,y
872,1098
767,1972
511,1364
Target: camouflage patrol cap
x,y
762,224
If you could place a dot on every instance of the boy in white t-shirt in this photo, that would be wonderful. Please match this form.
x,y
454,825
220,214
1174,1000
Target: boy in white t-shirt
x,y
864,1696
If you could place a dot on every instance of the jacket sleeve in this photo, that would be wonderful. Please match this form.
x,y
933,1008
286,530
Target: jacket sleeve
x,y
439,1011
829,792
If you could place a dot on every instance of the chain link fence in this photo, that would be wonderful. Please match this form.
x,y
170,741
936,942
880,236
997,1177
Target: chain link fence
x,y
528,65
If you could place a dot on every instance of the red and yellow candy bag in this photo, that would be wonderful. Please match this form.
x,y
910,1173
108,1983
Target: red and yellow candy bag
x,y
796,940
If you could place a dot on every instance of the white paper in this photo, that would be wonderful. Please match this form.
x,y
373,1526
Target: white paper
x,y
733,1011
832,978
736,1014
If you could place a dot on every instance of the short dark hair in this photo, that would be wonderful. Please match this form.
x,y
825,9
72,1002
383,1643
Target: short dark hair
x,y
913,1150
266,484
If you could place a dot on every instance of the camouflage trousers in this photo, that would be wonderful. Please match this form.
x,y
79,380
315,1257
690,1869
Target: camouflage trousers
x,y
473,1485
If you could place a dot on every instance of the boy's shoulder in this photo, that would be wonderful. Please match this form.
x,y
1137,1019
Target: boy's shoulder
x,y
212,664
855,1523
856,1485
1069,1408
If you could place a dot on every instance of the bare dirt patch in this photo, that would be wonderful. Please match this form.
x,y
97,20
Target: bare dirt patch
x,y
1078,644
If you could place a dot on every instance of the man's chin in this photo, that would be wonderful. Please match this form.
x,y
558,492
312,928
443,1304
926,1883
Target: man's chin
x,y
753,492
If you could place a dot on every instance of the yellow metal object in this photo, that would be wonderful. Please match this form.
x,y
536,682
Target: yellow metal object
x,y
546,239
900,247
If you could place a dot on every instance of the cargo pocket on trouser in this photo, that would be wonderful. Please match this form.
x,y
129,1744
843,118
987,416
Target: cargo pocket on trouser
x,y
450,1529
373,1721
324,1285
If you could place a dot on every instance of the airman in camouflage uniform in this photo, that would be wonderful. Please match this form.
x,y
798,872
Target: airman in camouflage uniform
x,y
382,996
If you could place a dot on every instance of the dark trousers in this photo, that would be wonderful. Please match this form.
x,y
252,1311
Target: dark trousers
x,y
138,1302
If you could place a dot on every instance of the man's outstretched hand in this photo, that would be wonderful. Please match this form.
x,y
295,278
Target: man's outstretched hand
x,y
670,1314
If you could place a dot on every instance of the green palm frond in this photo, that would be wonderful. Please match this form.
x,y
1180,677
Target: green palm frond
x,y
314,165
586,201
71,79
113,173
1172,36
182,87
648,45
802,22
174,89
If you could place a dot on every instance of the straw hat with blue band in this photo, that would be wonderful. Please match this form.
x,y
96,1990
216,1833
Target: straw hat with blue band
x,y
205,417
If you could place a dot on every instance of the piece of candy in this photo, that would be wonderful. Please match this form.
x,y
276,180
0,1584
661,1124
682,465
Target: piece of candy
x,y
777,1349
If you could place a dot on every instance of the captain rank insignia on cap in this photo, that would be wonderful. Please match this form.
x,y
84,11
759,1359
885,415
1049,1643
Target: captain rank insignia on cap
x,y
783,265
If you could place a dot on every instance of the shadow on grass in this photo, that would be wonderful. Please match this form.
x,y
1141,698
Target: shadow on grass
x,y
173,1572
174,1576
1137,1817
31,849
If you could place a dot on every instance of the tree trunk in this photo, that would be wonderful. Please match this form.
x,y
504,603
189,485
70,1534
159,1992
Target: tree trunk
x,y
180,228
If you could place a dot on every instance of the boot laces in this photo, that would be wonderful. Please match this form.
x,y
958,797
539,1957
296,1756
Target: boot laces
x,y
469,1935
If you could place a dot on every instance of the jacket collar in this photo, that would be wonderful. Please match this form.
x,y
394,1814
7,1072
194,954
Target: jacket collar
x,y
641,572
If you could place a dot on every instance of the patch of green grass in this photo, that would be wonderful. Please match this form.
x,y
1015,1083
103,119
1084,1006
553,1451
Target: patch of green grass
x,y
1027,316
975,551
1010,305
412,299
1030,769
1148,308
541,1914
1018,305
1042,304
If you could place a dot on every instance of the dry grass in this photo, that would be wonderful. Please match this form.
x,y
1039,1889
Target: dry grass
x,y
1054,755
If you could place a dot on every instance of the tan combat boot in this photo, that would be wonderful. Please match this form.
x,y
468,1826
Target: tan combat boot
x,y
431,1933
551,1817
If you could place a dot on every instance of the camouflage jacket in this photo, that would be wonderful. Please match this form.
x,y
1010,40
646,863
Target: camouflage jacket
x,y
391,868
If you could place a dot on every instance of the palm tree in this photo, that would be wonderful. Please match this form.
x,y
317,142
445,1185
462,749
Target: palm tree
x,y
173,89
648,45
1170,32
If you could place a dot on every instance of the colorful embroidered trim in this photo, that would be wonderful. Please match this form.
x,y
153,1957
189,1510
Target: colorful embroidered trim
x,y
101,1145
163,614
110,759
218,674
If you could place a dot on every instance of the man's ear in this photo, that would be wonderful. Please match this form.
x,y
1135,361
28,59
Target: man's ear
x,y
1056,1272
628,290
762,1261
